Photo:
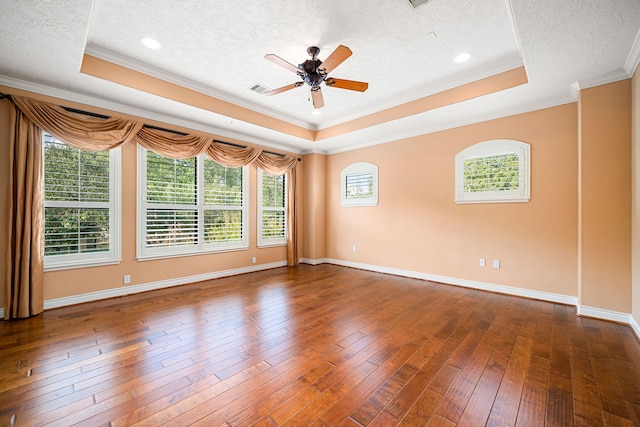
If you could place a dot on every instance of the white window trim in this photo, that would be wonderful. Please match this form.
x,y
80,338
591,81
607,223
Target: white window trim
x,y
113,256
264,242
144,253
353,169
492,148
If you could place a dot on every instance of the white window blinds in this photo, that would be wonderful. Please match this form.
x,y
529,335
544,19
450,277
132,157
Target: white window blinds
x,y
191,205
81,209
272,209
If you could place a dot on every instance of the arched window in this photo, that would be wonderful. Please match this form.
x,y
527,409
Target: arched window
x,y
359,185
496,171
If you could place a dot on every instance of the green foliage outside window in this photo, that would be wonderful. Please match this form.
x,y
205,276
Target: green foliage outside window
x,y
76,187
273,206
491,173
171,181
172,185
359,185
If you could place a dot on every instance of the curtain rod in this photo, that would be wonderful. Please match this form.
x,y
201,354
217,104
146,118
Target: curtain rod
x,y
102,116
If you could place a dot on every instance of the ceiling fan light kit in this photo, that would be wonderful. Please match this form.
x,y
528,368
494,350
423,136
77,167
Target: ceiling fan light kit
x,y
314,72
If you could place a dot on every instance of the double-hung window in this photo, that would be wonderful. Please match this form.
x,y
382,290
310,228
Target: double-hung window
x,y
189,206
81,206
272,209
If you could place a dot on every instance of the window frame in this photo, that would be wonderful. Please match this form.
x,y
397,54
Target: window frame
x,y
494,148
93,259
358,169
145,253
268,242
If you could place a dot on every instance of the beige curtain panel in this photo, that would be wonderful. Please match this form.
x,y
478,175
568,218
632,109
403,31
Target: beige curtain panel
x,y
292,214
23,295
25,224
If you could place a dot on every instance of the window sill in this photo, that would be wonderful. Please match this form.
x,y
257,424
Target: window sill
x,y
74,265
271,244
492,200
351,204
152,257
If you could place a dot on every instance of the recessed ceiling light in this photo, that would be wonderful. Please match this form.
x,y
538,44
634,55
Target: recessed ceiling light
x,y
151,43
316,112
463,57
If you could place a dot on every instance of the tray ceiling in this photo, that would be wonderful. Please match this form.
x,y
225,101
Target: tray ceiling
x,y
213,53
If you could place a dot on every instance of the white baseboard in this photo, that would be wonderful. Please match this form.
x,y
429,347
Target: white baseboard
x,y
598,313
314,261
545,296
635,326
117,292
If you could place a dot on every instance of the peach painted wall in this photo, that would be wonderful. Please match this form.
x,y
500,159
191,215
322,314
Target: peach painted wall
x,y
605,163
635,217
417,226
65,283
314,218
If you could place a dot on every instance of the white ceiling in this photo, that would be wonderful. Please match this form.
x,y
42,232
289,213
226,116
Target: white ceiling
x,y
404,53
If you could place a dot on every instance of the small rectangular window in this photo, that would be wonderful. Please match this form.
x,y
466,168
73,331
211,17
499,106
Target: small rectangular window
x,y
81,205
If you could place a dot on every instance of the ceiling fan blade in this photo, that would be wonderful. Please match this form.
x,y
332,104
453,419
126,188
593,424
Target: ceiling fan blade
x,y
336,58
347,84
316,97
277,60
283,89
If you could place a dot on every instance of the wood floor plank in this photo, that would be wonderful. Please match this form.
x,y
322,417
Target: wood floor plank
x,y
559,401
506,406
533,401
356,396
456,399
321,346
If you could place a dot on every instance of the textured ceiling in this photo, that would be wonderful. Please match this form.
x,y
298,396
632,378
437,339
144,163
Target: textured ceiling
x,y
217,48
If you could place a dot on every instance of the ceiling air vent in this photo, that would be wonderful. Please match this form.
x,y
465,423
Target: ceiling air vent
x,y
259,88
416,3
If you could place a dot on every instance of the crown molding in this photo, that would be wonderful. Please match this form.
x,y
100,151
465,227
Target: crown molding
x,y
135,65
611,77
142,114
440,86
633,59
484,117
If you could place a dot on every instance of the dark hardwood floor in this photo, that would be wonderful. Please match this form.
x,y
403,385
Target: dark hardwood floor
x,y
319,346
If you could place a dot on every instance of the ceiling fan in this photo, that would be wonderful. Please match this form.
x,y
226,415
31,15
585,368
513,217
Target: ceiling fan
x,y
314,71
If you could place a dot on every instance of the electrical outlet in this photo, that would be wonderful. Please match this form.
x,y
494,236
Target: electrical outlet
x,y
253,260
496,263
355,248
127,279
483,262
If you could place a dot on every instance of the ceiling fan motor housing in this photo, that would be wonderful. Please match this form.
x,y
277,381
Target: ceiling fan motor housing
x,y
311,75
